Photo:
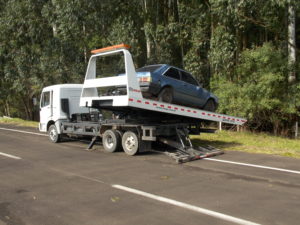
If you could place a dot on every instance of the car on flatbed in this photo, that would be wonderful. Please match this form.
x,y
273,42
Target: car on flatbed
x,y
173,85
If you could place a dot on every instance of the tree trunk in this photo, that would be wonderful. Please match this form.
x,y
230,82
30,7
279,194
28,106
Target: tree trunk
x,y
277,127
84,48
177,20
54,29
148,45
212,29
54,25
28,105
26,109
6,108
146,29
292,44
244,45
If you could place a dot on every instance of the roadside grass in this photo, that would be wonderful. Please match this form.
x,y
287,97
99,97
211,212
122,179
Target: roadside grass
x,y
19,122
250,142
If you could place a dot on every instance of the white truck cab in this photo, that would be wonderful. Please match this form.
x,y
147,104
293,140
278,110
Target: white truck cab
x,y
54,101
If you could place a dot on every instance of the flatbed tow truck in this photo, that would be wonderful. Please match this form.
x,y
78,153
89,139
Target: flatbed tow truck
x,y
136,122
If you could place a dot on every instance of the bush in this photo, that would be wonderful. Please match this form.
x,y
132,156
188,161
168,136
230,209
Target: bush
x,y
260,91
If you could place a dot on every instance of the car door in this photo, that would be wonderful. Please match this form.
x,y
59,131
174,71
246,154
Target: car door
x,y
193,92
171,77
46,110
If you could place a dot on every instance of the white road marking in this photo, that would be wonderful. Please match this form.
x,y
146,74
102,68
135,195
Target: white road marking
x,y
21,131
186,206
168,201
254,165
9,156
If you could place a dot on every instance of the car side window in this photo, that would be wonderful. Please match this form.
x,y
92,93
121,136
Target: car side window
x,y
173,73
45,99
186,77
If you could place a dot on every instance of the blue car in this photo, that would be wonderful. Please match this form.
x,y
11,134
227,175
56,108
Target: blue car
x,y
173,85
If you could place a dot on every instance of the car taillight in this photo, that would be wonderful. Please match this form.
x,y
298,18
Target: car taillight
x,y
145,79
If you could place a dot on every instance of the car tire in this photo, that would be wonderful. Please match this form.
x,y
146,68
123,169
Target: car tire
x,y
210,106
166,95
111,141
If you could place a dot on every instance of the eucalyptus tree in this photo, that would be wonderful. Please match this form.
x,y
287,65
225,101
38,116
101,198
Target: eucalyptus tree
x,y
23,31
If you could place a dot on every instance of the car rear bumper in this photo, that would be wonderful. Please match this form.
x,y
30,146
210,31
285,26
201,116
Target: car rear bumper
x,y
149,88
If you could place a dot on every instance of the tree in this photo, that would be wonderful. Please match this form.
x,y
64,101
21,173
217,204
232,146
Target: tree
x,y
23,32
291,42
223,43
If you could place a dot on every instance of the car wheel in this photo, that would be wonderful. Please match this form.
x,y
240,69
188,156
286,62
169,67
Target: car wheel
x,y
210,106
166,95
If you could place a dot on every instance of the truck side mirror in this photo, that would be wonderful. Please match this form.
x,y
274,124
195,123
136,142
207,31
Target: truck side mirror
x,y
65,106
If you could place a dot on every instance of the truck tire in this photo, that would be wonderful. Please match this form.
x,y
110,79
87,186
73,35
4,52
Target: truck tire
x,y
166,95
130,143
111,141
54,136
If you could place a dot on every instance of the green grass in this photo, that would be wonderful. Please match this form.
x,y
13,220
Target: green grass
x,y
19,122
250,142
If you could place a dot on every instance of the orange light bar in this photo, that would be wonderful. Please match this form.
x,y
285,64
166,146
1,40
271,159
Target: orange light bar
x,y
110,48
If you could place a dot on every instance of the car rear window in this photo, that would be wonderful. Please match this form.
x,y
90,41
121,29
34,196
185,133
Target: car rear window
x,y
151,68
172,72
186,77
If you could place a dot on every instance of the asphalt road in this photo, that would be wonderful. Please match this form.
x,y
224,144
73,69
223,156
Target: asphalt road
x,y
43,183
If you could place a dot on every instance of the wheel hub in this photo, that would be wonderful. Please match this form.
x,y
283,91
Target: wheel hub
x,y
109,142
167,98
130,143
53,134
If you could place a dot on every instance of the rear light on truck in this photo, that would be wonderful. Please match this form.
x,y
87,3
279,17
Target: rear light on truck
x,y
145,79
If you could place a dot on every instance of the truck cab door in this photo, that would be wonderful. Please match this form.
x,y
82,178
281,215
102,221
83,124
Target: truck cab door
x,y
46,110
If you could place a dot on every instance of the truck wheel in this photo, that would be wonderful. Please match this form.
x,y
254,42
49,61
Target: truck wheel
x,y
166,95
130,143
111,140
54,136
